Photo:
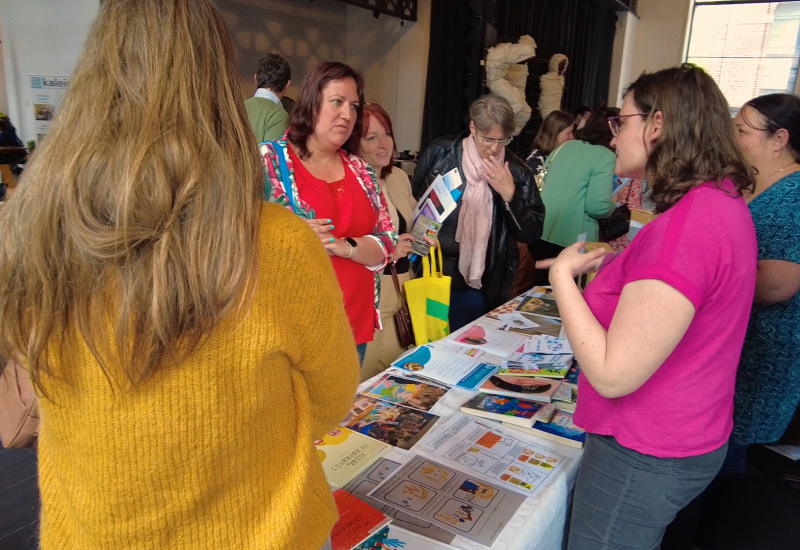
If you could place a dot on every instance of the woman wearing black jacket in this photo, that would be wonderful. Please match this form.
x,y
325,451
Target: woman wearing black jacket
x,y
499,207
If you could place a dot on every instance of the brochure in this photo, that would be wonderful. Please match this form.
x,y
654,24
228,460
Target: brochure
x,y
405,391
456,369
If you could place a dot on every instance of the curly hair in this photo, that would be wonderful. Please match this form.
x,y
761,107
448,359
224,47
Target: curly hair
x,y
697,141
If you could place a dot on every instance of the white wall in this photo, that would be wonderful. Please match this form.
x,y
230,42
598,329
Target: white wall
x,y
394,60
39,37
622,58
46,37
392,57
660,35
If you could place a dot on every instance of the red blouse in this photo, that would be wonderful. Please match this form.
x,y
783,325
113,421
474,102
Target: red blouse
x,y
352,215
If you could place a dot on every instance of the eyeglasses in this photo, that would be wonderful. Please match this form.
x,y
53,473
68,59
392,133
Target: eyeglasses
x,y
615,122
490,141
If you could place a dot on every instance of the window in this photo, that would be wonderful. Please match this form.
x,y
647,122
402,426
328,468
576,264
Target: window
x,y
750,48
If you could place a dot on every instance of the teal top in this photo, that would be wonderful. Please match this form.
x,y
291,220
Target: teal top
x,y
577,191
768,379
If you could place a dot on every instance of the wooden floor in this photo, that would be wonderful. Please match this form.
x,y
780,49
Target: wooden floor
x,y
19,500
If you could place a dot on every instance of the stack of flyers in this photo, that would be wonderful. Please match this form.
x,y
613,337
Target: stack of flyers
x,y
548,345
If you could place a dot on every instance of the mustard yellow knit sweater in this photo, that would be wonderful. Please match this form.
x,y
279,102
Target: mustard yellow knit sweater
x,y
215,452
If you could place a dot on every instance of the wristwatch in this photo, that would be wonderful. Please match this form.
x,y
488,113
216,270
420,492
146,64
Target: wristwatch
x,y
353,245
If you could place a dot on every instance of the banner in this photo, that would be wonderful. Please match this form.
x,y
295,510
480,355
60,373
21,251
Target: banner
x,y
46,93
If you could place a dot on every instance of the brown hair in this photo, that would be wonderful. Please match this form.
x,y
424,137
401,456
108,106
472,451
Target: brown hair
x,y
353,144
596,131
697,141
141,206
554,123
303,119
273,73
492,110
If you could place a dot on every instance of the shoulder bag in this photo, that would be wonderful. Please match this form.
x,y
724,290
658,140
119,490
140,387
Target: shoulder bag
x,y
618,223
402,319
19,412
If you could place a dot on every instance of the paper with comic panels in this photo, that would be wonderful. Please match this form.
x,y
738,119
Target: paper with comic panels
x,y
484,450
460,503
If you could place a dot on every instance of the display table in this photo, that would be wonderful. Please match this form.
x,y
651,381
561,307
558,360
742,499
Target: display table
x,y
538,524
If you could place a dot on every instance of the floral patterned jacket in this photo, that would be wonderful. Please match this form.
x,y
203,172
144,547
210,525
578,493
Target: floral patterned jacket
x,y
275,191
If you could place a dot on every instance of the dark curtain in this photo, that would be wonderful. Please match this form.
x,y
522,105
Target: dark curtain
x,y
462,30
583,30
457,45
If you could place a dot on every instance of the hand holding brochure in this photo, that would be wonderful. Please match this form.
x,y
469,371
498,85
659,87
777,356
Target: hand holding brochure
x,y
438,201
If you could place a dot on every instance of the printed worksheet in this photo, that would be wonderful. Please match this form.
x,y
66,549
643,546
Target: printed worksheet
x,y
371,478
462,504
485,450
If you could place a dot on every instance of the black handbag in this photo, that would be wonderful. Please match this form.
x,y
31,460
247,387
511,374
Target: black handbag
x,y
402,319
618,223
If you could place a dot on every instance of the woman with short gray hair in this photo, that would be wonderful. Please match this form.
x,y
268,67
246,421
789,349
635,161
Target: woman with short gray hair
x,y
500,205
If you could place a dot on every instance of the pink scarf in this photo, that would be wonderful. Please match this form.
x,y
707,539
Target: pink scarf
x,y
475,217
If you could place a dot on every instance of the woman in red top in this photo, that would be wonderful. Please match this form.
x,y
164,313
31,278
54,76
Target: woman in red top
x,y
333,191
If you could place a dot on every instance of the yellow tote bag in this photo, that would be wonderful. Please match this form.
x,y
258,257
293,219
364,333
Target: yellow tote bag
x,y
428,300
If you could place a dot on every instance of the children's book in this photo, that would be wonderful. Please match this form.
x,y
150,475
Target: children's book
x,y
396,425
508,409
544,325
560,429
405,391
568,406
542,370
563,392
540,304
358,521
344,454
522,387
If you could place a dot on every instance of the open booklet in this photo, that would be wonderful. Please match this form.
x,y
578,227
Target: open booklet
x,y
438,201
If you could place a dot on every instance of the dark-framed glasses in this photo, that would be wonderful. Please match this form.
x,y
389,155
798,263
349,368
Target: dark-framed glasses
x,y
615,122
490,141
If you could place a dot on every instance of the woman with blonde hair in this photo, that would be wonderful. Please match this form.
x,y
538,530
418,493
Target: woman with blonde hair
x,y
162,309
658,332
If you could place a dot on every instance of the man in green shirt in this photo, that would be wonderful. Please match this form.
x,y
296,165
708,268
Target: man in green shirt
x,y
264,110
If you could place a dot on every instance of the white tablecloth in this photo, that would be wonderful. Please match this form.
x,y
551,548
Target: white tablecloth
x,y
539,522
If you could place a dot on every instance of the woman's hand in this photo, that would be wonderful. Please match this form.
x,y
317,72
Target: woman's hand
x,y
571,262
323,227
403,247
499,177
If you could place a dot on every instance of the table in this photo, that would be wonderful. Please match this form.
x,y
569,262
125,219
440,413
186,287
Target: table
x,y
537,525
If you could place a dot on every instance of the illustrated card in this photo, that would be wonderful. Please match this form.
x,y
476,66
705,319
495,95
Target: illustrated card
x,y
405,391
541,304
393,424
460,503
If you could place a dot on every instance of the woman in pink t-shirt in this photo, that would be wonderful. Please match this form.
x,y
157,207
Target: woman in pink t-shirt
x,y
659,331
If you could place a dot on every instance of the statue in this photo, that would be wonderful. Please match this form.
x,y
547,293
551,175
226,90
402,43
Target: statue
x,y
552,85
507,76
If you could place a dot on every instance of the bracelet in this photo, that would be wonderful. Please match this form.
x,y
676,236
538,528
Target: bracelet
x,y
352,250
